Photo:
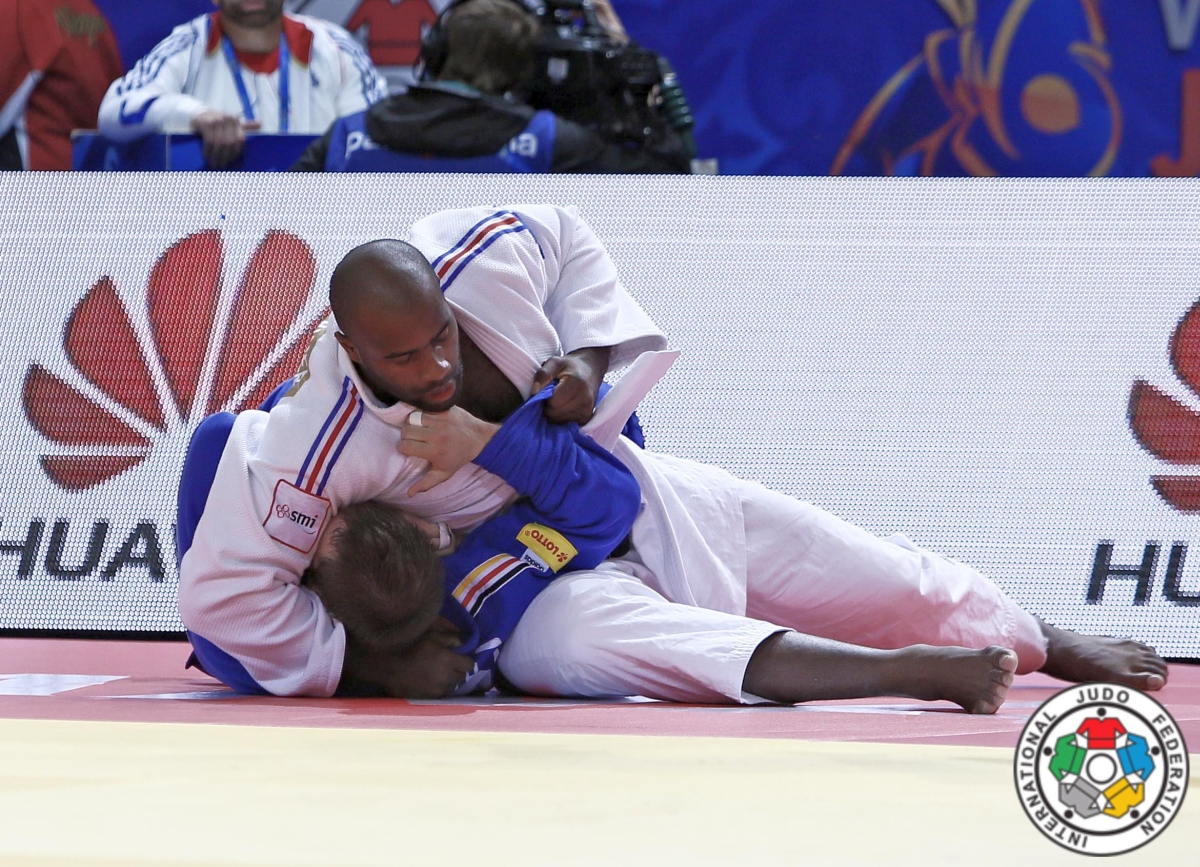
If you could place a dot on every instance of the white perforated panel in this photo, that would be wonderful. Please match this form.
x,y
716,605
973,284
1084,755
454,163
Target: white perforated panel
x,y
950,359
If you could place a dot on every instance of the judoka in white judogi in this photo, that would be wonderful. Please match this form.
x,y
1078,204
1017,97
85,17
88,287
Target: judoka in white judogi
x,y
717,565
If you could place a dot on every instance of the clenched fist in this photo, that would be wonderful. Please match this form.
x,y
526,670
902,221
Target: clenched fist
x,y
578,375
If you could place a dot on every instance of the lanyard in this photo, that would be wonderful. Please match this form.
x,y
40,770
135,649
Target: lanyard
x,y
235,69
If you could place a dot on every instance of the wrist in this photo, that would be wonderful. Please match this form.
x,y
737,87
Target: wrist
x,y
594,361
481,434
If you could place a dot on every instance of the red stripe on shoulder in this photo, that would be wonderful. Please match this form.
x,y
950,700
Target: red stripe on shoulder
x,y
214,32
300,40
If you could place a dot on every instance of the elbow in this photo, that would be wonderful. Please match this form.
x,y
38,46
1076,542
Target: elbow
x,y
625,499
629,501
112,129
190,611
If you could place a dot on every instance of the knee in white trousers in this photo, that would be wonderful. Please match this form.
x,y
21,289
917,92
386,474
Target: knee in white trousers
x,y
603,633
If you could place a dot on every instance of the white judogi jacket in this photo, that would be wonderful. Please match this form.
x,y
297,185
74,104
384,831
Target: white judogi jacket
x,y
525,283
329,75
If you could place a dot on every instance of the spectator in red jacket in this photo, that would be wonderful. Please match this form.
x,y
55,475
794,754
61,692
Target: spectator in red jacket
x,y
56,61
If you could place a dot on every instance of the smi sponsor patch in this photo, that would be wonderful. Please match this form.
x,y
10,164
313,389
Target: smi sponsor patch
x,y
296,518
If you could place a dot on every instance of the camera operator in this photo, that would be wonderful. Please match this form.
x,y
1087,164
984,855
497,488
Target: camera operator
x,y
468,119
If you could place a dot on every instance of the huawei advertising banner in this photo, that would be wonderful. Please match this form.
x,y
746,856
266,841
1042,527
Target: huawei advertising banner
x,y
1006,372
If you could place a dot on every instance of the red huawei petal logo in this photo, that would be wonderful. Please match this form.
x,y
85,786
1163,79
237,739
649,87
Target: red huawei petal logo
x,y
1167,428
145,385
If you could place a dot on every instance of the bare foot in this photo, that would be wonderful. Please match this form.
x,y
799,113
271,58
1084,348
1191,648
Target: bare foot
x,y
789,667
977,680
1098,659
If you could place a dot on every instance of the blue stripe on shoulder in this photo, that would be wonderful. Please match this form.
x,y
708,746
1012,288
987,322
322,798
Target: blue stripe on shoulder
x,y
466,237
520,227
372,88
325,427
338,453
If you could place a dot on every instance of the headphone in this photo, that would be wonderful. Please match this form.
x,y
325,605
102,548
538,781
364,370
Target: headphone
x,y
435,47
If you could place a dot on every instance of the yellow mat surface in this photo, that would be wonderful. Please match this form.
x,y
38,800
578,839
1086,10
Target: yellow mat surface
x,y
153,794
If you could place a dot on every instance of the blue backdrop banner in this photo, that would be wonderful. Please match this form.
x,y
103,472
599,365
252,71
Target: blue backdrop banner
x,y
910,87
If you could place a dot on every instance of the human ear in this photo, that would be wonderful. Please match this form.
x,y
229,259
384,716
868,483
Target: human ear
x,y
350,348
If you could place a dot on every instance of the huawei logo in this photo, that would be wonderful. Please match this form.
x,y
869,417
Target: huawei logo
x,y
134,387
1167,428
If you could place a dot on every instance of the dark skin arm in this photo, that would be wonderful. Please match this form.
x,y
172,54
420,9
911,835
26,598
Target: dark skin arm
x,y
488,395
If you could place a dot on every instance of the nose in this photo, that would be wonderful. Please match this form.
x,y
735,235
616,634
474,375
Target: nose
x,y
437,366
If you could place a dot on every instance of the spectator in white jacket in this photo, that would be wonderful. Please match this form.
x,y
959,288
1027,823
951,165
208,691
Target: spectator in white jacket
x,y
245,67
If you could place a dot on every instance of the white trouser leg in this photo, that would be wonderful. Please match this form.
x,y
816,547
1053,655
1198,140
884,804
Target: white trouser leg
x,y
605,633
814,572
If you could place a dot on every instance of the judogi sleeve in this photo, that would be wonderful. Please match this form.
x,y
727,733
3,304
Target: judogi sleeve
x,y
571,483
251,623
578,504
150,97
585,299
532,281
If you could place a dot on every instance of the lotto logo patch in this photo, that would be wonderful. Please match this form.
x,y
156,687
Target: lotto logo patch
x,y
296,518
550,547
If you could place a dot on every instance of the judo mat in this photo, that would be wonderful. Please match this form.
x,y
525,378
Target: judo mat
x,y
111,753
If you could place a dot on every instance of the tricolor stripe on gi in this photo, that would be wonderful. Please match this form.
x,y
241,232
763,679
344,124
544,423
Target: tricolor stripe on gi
x,y
335,433
485,579
477,239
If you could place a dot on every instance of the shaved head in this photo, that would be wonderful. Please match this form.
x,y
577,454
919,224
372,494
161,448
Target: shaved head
x,y
380,276
395,325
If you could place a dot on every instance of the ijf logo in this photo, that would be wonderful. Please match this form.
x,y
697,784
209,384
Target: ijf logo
x,y
129,389
1101,769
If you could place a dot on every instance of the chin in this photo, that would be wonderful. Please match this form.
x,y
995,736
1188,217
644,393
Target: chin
x,y
442,406
427,405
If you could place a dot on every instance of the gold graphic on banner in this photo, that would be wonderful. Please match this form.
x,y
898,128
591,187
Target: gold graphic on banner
x,y
971,93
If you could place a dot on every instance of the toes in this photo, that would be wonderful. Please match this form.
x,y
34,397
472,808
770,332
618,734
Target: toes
x,y
1003,658
1153,664
986,707
1153,682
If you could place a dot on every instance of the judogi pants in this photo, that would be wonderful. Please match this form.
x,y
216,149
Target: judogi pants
x,y
615,631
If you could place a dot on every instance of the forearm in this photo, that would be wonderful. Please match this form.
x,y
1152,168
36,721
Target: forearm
x,y
594,363
146,111
570,481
